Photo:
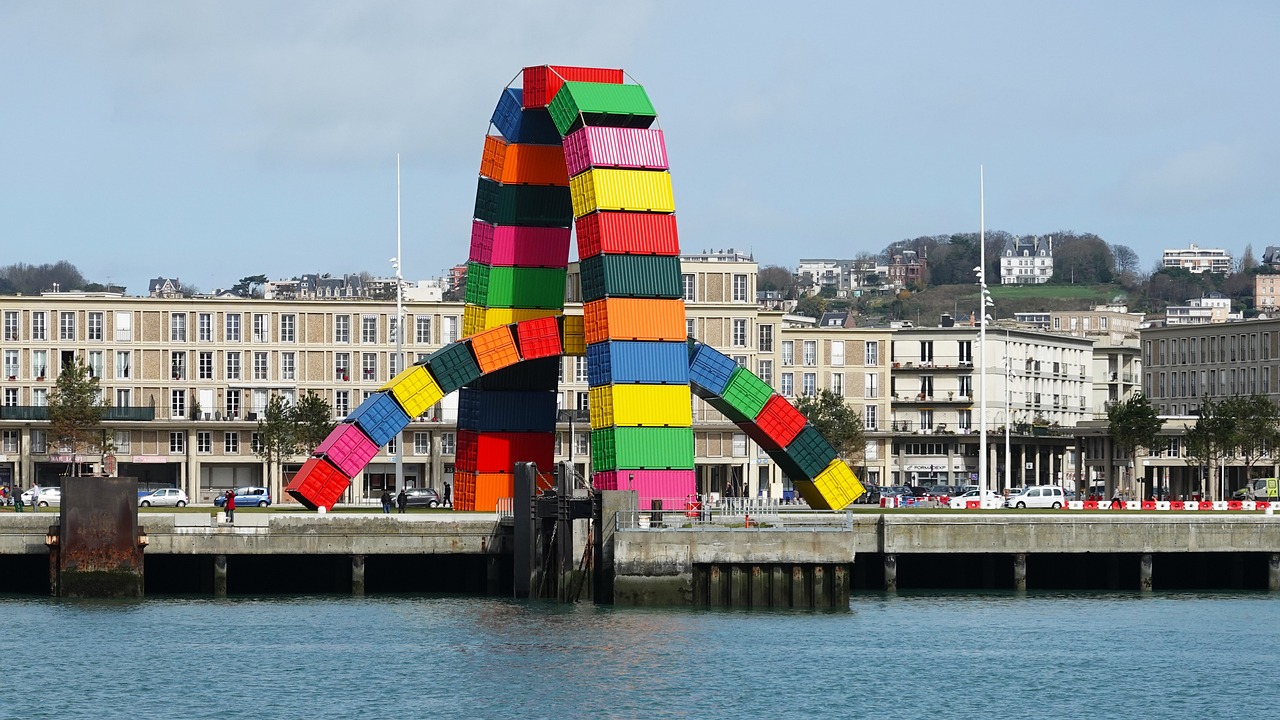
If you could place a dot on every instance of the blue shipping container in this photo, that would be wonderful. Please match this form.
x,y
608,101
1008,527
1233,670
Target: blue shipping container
x,y
637,361
512,411
380,417
518,125
709,372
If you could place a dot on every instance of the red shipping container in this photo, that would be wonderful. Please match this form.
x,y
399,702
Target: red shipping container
x,y
318,484
348,448
542,82
539,338
780,421
491,452
595,146
514,246
627,233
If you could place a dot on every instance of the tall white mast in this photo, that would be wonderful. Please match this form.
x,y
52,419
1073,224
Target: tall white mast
x,y
399,325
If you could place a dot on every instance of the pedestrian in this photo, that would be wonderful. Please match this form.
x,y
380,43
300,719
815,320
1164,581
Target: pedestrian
x,y
402,500
231,506
447,500
386,502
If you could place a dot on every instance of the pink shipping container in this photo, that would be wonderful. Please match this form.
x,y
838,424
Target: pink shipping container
x,y
674,488
614,147
348,448
514,246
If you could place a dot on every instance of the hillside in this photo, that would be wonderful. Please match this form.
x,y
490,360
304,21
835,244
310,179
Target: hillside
x,y
926,306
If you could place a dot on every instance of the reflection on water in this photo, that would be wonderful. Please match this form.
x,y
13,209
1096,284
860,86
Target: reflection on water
x,y
908,655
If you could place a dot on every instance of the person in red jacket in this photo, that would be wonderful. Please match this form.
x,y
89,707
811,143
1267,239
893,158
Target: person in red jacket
x,y
231,506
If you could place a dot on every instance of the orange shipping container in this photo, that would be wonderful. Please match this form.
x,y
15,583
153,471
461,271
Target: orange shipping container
x,y
495,349
514,164
634,319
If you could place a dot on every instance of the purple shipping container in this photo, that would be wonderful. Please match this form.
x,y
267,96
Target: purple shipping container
x,y
512,246
348,448
614,147
675,488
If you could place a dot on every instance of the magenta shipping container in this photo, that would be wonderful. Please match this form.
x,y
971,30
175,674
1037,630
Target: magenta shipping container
x,y
348,448
674,488
512,246
614,147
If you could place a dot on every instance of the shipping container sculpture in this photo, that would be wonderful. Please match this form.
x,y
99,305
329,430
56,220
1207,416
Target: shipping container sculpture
x,y
576,151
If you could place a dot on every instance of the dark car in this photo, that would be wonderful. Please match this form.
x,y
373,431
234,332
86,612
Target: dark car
x,y
939,491
920,491
871,496
895,491
422,497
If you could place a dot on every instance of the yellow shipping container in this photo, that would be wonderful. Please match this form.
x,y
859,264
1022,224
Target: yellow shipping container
x,y
611,189
834,488
415,389
477,319
575,335
641,406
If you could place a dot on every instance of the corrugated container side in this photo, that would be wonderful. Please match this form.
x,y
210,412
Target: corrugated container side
x,y
627,190
838,485
477,283
626,361
709,371
523,126
573,330
641,406
539,338
645,276
780,421
642,448
675,488
541,83
810,452
534,247
634,319
538,205
348,448
464,490
534,165
540,374
453,366
746,394
318,484
510,411
579,103
495,349
380,417
490,488
477,319
415,389
518,287
499,451
493,157
481,243
590,147
624,233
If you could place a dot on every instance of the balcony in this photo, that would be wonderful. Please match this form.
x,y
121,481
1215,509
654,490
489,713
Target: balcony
x,y
41,413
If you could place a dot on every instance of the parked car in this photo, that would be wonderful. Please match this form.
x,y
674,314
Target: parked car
x,y
1038,496
247,497
945,491
871,496
422,497
895,491
48,496
920,491
959,502
165,497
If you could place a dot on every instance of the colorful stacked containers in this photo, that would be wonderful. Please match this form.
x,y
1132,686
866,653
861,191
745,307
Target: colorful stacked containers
x,y
634,324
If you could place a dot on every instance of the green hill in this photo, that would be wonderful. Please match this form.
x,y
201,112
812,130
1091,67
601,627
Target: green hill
x,y
961,301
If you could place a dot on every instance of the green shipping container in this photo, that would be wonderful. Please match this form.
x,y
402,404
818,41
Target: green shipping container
x,y
536,205
642,448
453,366
743,397
601,104
807,455
640,276
515,287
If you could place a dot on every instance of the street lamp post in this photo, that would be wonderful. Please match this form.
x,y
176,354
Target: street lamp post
x,y
984,303
396,264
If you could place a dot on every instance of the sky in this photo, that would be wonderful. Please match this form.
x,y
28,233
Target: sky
x,y
212,140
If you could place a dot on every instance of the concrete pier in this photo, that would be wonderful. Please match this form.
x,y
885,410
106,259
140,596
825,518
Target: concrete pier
x,y
357,575
1020,572
890,572
219,575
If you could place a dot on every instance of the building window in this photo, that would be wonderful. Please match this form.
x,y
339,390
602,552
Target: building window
x,y
261,330
740,360
204,366
232,333
287,371
766,338
788,352
686,281
11,369
739,332
342,328
39,363
122,444
869,417
926,419
579,369
177,403
204,443
232,405
96,364
422,329
837,383
178,365
810,353
688,328
422,443
926,351
837,352
739,445
369,329
394,362
739,288
260,366
448,443
369,366
11,397
122,397
177,327
341,403
871,386
288,328
95,326
124,327
204,327
11,438
233,366
450,329
810,384
393,330
255,442
787,386
39,330
67,326
11,325
177,443
341,366
766,371
231,443
40,397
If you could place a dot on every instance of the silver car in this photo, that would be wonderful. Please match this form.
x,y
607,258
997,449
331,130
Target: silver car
x,y
164,497
48,496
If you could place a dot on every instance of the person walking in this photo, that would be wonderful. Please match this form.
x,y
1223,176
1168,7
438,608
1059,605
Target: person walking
x,y
386,502
402,500
447,501
231,506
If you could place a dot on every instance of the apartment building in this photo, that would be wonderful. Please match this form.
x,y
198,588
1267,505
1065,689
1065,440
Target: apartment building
x,y
1197,259
1027,261
1266,291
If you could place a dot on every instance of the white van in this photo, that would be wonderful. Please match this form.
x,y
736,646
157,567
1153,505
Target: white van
x,y
1038,496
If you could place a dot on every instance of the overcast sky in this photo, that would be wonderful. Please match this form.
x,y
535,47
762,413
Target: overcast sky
x,y
212,140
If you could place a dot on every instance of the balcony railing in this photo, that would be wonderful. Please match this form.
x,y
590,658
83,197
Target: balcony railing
x,y
41,412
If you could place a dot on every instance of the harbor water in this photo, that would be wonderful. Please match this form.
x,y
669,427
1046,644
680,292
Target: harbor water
x,y
909,655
